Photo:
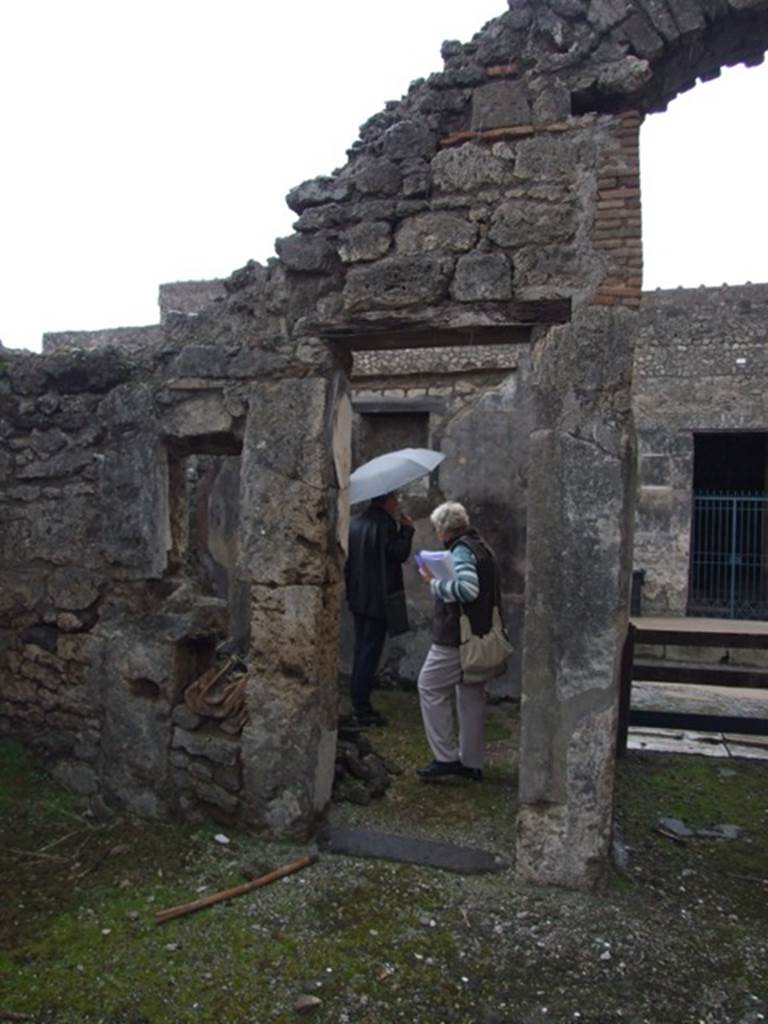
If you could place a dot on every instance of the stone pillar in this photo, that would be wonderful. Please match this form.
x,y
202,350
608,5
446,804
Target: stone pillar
x,y
291,532
577,594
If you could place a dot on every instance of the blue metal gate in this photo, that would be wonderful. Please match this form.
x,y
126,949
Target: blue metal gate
x,y
729,556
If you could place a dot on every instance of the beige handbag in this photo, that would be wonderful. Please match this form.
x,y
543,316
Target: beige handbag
x,y
483,657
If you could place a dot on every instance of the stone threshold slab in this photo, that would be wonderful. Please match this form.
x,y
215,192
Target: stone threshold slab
x,y
356,842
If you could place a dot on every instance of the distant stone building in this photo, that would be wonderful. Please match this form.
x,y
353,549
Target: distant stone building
x,y
701,415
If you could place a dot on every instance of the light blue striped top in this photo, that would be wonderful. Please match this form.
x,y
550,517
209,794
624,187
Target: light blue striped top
x,y
466,586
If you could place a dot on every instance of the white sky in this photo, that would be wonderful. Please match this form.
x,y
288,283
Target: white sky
x,y
155,141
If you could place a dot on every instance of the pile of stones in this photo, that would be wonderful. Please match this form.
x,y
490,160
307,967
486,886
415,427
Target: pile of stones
x,y
361,774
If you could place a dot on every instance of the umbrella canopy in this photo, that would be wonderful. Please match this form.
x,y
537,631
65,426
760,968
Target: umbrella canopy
x,y
387,472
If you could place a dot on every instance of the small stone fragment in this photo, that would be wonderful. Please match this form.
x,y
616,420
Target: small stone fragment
x,y
675,827
306,1004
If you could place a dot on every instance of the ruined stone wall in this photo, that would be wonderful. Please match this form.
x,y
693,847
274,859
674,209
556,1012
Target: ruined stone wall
x,y
701,364
125,563
496,202
188,297
126,339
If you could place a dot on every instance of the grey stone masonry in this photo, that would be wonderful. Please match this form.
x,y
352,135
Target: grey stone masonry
x,y
126,338
188,296
701,365
497,202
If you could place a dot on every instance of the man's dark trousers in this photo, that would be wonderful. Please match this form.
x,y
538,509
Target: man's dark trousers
x,y
370,635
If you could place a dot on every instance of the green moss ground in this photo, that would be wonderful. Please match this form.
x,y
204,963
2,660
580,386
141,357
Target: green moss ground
x,y
685,927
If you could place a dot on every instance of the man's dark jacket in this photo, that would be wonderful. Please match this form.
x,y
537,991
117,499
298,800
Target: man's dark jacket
x,y
377,549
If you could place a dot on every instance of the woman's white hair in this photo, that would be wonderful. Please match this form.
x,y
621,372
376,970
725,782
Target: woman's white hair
x,y
450,518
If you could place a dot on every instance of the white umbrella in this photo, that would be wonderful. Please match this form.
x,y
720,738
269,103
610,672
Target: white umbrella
x,y
387,472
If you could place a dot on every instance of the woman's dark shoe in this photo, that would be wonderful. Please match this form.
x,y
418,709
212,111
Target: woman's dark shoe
x,y
439,769
442,769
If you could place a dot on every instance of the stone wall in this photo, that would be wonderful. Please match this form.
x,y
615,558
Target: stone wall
x,y
701,365
189,297
495,203
127,339
125,565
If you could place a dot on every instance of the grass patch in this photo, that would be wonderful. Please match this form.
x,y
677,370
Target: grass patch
x,y
680,937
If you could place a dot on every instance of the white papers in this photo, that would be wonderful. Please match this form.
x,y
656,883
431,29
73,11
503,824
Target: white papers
x,y
439,563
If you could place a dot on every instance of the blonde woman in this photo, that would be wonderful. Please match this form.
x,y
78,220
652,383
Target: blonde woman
x,y
474,589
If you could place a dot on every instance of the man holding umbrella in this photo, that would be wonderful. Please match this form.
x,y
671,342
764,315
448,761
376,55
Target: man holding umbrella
x,y
378,546
379,543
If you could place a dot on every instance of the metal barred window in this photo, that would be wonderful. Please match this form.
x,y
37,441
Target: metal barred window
x,y
729,555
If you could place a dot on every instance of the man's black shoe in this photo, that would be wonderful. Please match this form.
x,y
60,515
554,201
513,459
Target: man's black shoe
x,y
370,718
442,769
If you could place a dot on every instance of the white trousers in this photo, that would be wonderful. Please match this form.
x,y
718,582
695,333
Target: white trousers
x,y
439,679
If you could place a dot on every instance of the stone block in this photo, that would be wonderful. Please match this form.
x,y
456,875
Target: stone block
x,y
566,842
500,105
213,794
308,254
364,242
73,588
435,232
625,76
133,521
20,689
318,192
416,180
197,416
200,362
288,625
75,776
185,718
230,777
377,176
212,745
551,102
412,137
519,222
560,159
396,282
469,169
644,40
288,755
284,474
482,277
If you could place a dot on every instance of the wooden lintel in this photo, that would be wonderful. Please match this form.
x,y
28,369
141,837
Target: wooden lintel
x,y
373,341
503,326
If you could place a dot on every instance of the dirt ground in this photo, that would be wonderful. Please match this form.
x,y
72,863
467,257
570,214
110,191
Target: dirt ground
x,y
676,934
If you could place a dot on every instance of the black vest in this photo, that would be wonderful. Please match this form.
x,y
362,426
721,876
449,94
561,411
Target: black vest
x,y
445,624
